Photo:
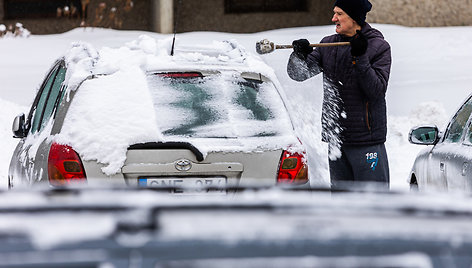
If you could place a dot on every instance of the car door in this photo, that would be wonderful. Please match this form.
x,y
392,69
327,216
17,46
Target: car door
x,y
464,160
446,161
30,156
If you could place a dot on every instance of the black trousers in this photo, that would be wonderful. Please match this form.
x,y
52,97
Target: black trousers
x,y
360,165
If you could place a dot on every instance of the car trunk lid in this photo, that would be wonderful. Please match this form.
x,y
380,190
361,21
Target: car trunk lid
x,y
167,164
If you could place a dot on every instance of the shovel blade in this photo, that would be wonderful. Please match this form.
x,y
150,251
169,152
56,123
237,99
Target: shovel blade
x,y
264,47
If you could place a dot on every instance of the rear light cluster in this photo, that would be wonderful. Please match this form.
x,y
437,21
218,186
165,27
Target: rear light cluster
x,y
64,166
292,169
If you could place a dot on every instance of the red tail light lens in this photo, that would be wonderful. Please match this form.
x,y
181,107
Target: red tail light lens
x,y
64,166
292,169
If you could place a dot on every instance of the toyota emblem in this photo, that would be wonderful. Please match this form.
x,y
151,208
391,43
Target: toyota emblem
x,y
183,165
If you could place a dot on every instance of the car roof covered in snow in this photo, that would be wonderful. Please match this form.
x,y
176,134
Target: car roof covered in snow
x,y
150,55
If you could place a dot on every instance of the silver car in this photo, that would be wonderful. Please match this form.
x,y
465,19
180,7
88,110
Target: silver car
x,y
206,118
446,164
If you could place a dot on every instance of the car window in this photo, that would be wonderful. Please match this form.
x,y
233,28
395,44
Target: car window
x,y
468,137
53,96
41,103
217,106
457,124
247,97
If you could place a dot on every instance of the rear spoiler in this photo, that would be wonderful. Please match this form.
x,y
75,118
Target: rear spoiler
x,y
168,146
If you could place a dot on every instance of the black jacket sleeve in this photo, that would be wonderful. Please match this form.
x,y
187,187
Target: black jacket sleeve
x,y
374,73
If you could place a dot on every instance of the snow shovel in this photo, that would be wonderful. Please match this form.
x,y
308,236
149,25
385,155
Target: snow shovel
x,y
265,46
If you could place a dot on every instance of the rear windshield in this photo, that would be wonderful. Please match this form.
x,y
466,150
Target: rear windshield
x,y
217,106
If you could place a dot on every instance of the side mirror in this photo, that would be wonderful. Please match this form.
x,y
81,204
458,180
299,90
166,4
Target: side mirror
x,y
19,126
424,135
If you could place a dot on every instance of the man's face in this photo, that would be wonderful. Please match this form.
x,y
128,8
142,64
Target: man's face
x,y
345,25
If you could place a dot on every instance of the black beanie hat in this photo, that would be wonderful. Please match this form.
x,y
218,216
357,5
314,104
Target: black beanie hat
x,y
356,9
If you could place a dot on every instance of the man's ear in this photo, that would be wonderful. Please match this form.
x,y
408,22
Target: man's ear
x,y
355,23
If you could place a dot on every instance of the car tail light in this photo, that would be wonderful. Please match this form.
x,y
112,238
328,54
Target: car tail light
x,y
292,169
64,166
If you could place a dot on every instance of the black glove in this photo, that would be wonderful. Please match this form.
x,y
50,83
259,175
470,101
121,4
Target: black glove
x,y
358,44
302,48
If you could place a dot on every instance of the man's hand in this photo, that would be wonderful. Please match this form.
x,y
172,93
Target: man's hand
x,y
302,48
358,44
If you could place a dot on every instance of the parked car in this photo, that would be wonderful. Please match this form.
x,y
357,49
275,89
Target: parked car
x,y
212,117
446,164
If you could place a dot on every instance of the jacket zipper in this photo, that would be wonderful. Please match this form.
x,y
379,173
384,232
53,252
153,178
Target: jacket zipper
x,y
367,116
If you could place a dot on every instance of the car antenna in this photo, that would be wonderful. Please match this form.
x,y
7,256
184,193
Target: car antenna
x,y
175,27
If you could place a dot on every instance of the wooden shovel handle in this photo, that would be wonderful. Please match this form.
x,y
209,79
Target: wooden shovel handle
x,y
316,45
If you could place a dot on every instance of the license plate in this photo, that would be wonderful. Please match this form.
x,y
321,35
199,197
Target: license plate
x,y
187,185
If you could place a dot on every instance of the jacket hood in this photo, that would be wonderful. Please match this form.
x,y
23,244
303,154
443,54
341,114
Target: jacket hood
x,y
370,32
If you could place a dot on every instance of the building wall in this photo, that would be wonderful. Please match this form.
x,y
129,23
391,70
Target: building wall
x,y
203,15
209,15
423,13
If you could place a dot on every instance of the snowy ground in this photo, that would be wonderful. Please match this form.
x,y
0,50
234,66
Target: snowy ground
x,y
429,80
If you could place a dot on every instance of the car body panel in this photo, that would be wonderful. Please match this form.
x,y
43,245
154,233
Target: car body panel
x,y
162,163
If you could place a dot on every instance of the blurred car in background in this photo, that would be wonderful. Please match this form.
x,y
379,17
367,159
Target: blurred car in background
x,y
213,117
446,164
143,227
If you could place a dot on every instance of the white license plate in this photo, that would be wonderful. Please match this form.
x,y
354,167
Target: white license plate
x,y
187,185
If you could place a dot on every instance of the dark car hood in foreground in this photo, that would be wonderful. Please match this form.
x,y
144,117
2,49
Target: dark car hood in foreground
x,y
253,228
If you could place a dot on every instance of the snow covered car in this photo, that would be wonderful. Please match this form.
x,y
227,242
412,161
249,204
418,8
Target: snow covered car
x,y
211,116
445,165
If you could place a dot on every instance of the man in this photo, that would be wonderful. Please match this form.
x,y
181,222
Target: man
x,y
355,79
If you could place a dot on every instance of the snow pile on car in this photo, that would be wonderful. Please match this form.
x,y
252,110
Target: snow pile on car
x,y
104,119
115,109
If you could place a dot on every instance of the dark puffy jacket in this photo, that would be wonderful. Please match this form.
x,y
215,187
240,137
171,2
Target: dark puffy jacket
x,y
354,108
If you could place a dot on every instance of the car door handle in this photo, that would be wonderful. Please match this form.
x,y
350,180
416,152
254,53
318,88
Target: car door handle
x,y
441,166
465,167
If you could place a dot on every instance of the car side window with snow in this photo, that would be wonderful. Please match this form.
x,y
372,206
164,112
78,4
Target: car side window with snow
x,y
41,104
468,137
458,123
53,96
